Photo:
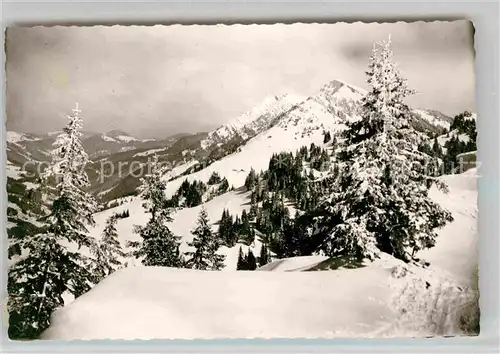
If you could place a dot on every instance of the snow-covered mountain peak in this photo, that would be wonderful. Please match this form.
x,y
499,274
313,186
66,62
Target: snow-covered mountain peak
x,y
271,105
254,121
341,90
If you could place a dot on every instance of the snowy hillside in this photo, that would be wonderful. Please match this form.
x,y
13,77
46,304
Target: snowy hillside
x,y
452,252
385,298
434,118
456,249
365,302
290,306
184,222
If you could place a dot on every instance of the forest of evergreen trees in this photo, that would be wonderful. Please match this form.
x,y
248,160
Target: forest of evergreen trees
x,y
192,194
285,184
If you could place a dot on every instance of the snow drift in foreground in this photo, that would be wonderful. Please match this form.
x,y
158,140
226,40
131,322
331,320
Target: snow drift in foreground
x,y
386,298
154,302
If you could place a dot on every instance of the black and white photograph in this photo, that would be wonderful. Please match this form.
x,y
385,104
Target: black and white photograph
x,y
303,180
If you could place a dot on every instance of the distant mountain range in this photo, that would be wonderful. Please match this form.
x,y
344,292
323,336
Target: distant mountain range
x,y
279,123
22,147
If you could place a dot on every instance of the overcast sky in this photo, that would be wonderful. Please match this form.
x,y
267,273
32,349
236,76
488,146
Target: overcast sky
x,y
162,80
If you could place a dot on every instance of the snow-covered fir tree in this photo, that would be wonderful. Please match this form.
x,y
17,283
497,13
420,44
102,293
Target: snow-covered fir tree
x,y
206,244
159,246
108,251
379,201
52,261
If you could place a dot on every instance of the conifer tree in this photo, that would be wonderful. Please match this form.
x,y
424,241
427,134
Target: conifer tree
x,y
159,246
251,179
54,263
214,179
224,186
242,264
108,251
251,262
245,228
226,229
334,141
237,224
264,256
206,245
436,149
381,197
231,229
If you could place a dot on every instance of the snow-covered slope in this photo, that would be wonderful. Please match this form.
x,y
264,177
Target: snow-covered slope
x,y
148,303
182,225
165,303
384,298
456,250
434,118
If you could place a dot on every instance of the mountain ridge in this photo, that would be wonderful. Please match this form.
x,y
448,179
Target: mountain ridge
x,y
336,96
279,123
